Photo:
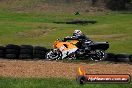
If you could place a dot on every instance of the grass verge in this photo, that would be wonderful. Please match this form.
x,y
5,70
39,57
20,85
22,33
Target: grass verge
x,y
52,83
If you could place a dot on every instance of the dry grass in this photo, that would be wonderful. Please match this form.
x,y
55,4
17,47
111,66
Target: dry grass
x,y
34,33
18,68
50,6
112,36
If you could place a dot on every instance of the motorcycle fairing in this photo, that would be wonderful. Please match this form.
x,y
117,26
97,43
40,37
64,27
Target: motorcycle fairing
x,y
66,48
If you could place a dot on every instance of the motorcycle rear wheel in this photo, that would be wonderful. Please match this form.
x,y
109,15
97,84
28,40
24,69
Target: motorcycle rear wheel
x,y
100,55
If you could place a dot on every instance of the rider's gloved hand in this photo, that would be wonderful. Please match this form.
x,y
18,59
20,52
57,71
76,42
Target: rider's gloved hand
x,y
74,37
67,37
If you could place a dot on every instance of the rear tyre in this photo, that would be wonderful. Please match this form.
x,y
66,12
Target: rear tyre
x,y
99,55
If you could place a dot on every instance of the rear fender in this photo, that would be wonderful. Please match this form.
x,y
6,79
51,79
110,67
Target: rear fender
x,y
99,45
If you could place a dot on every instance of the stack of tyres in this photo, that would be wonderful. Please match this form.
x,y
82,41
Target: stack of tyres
x,y
122,57
130,58
12,51
2,52
26,52
111,57
39,52
118,57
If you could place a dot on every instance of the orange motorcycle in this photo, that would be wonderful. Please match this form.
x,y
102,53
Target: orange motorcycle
x,y
72,48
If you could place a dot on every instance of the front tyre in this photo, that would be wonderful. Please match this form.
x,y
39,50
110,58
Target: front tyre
x,y
54,55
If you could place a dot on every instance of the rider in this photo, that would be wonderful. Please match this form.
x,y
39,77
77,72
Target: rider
x,y
78,35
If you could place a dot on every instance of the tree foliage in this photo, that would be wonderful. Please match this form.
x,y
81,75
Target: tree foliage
x,y
117,4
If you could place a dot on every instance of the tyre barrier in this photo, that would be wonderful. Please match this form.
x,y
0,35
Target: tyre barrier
x,y
118,57
11,56
30,47
25,56
110,57
12,51
122,58
2,52
26,52
39,52
130,58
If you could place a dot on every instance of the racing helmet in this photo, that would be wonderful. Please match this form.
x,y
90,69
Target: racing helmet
x,y
77,33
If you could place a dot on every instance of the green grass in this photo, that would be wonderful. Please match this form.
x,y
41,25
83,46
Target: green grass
x,y
25,28
23,23
52,83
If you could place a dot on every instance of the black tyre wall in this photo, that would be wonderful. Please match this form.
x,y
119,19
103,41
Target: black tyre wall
x,y
26,51
26,47
40,48
11,46
12,51
2,53
122,57
39,56
111,57
25,56
2,48
130,58
40,52
11,56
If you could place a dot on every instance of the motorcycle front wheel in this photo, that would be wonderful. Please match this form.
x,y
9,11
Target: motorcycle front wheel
x,y
54,55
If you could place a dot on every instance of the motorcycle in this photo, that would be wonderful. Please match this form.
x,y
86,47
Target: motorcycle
x,y
71,48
